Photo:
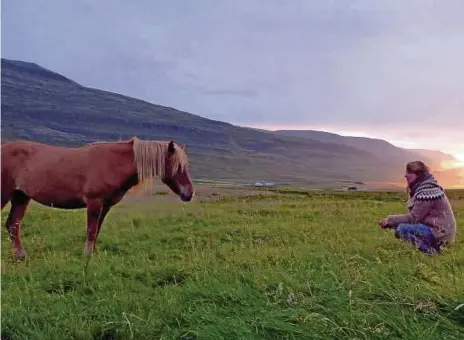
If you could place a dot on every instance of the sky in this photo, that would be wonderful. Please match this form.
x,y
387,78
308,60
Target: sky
x,y
387,69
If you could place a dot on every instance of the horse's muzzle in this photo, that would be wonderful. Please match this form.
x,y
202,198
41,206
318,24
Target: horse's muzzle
x,y
186,198
186,193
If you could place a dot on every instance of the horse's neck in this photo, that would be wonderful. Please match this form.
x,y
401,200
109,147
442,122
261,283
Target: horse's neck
x,y
128,168
122,154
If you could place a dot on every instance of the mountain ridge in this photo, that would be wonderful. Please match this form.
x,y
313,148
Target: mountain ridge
x,y
374,145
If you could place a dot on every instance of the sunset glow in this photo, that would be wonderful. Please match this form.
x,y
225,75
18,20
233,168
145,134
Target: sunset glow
x,y
453,164
460,157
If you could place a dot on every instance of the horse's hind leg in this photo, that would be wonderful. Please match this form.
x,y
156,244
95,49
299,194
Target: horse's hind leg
x,y
19,203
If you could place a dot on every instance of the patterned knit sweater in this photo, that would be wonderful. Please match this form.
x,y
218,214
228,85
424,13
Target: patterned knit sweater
x,y
429,205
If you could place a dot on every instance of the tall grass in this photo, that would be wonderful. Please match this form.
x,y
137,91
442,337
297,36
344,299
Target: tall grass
x,y
282,265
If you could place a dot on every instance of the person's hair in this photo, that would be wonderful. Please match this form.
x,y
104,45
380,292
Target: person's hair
x,y
419,169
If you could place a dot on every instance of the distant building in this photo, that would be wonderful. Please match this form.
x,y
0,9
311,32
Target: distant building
x,y
264,184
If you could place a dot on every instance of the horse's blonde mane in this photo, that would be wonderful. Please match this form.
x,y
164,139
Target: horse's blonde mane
x,y
149,158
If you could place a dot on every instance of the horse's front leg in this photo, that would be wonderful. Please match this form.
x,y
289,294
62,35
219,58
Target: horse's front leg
x,y
94,211
104,211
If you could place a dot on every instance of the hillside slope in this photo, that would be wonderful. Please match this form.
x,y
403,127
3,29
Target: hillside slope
x,y
375,146
41,105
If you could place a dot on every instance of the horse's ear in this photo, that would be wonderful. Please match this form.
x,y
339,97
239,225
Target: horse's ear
x,y
171,147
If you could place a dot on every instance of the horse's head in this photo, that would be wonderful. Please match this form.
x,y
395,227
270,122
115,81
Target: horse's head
x,y
176,172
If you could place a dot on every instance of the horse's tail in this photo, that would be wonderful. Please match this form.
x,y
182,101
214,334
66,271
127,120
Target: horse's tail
x,y
7,184
10,162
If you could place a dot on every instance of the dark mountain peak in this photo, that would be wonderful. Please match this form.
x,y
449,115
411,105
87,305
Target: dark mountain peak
x,y
32,70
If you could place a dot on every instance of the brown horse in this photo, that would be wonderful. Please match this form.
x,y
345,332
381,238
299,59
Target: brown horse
x,y
95,176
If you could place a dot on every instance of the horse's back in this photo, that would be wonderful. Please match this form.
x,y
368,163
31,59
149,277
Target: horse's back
x,y
45,170
18,153
22,158
15,156
46,173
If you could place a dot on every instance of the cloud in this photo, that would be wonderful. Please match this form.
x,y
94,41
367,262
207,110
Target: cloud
x,y
231,92
392,65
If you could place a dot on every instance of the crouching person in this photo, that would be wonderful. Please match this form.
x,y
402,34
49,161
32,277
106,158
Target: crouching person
x,y
430,222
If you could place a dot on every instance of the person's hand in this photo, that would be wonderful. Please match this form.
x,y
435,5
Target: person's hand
x,y
384,223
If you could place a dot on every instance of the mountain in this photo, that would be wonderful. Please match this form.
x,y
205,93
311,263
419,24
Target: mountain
x,y
387,151
375,146
41,105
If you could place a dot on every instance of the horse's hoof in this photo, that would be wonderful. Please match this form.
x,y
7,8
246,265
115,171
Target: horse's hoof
x,y
88,252
20,254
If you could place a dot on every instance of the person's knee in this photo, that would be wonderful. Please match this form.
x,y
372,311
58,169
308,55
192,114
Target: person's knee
x,y
401,230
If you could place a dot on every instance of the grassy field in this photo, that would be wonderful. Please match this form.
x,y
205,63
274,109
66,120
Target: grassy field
x,y
233,265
